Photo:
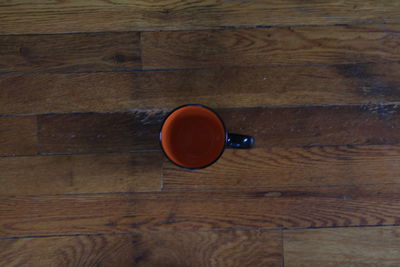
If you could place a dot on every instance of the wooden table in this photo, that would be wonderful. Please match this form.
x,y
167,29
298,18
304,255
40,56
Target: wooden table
x,y
84,87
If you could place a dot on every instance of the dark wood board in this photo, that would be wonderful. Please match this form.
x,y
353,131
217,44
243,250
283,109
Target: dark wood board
x,y
315,166
214,87
236,248
78,16
273,208
72,174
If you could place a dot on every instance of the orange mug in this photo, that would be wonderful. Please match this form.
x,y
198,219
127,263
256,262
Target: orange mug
x,y
194,136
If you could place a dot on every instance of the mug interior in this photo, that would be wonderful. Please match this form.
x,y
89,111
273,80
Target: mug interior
x,y
193,136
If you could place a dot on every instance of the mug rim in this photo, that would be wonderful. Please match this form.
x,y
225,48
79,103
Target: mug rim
x,y
198,105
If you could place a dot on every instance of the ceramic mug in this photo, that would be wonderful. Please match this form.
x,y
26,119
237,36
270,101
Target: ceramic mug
x,y
194,136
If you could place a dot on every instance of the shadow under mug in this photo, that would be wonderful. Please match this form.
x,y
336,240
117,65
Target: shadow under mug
x,y
194,136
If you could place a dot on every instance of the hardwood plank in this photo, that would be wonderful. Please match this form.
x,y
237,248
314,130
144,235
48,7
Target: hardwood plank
x,y
70,52
271,127
224,248
372,124
94,173
233,248
18,135
200,210
224,87
291,167
72,92
378,246
75,16
271,86
100,132
67,251
270,46
313,126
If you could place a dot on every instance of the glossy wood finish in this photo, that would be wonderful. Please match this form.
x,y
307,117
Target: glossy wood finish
x,y
85,86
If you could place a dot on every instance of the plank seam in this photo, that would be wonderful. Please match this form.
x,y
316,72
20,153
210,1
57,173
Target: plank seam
x,y
200,68
222,27
143,192
282,229
133,110
159,150
283,248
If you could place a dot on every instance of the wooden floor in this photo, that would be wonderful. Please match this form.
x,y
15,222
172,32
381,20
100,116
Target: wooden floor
x,y
85,86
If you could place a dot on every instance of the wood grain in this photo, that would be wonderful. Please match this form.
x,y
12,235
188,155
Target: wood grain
x,y
271,127
67,251
235,248
100,132
270,46
291,167
94,173
224,248
70,52
343,247
224,87
85,86
312,126
200,210
72,92
75,16
18,136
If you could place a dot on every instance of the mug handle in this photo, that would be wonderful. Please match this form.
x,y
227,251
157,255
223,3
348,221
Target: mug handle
x,y
239,141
